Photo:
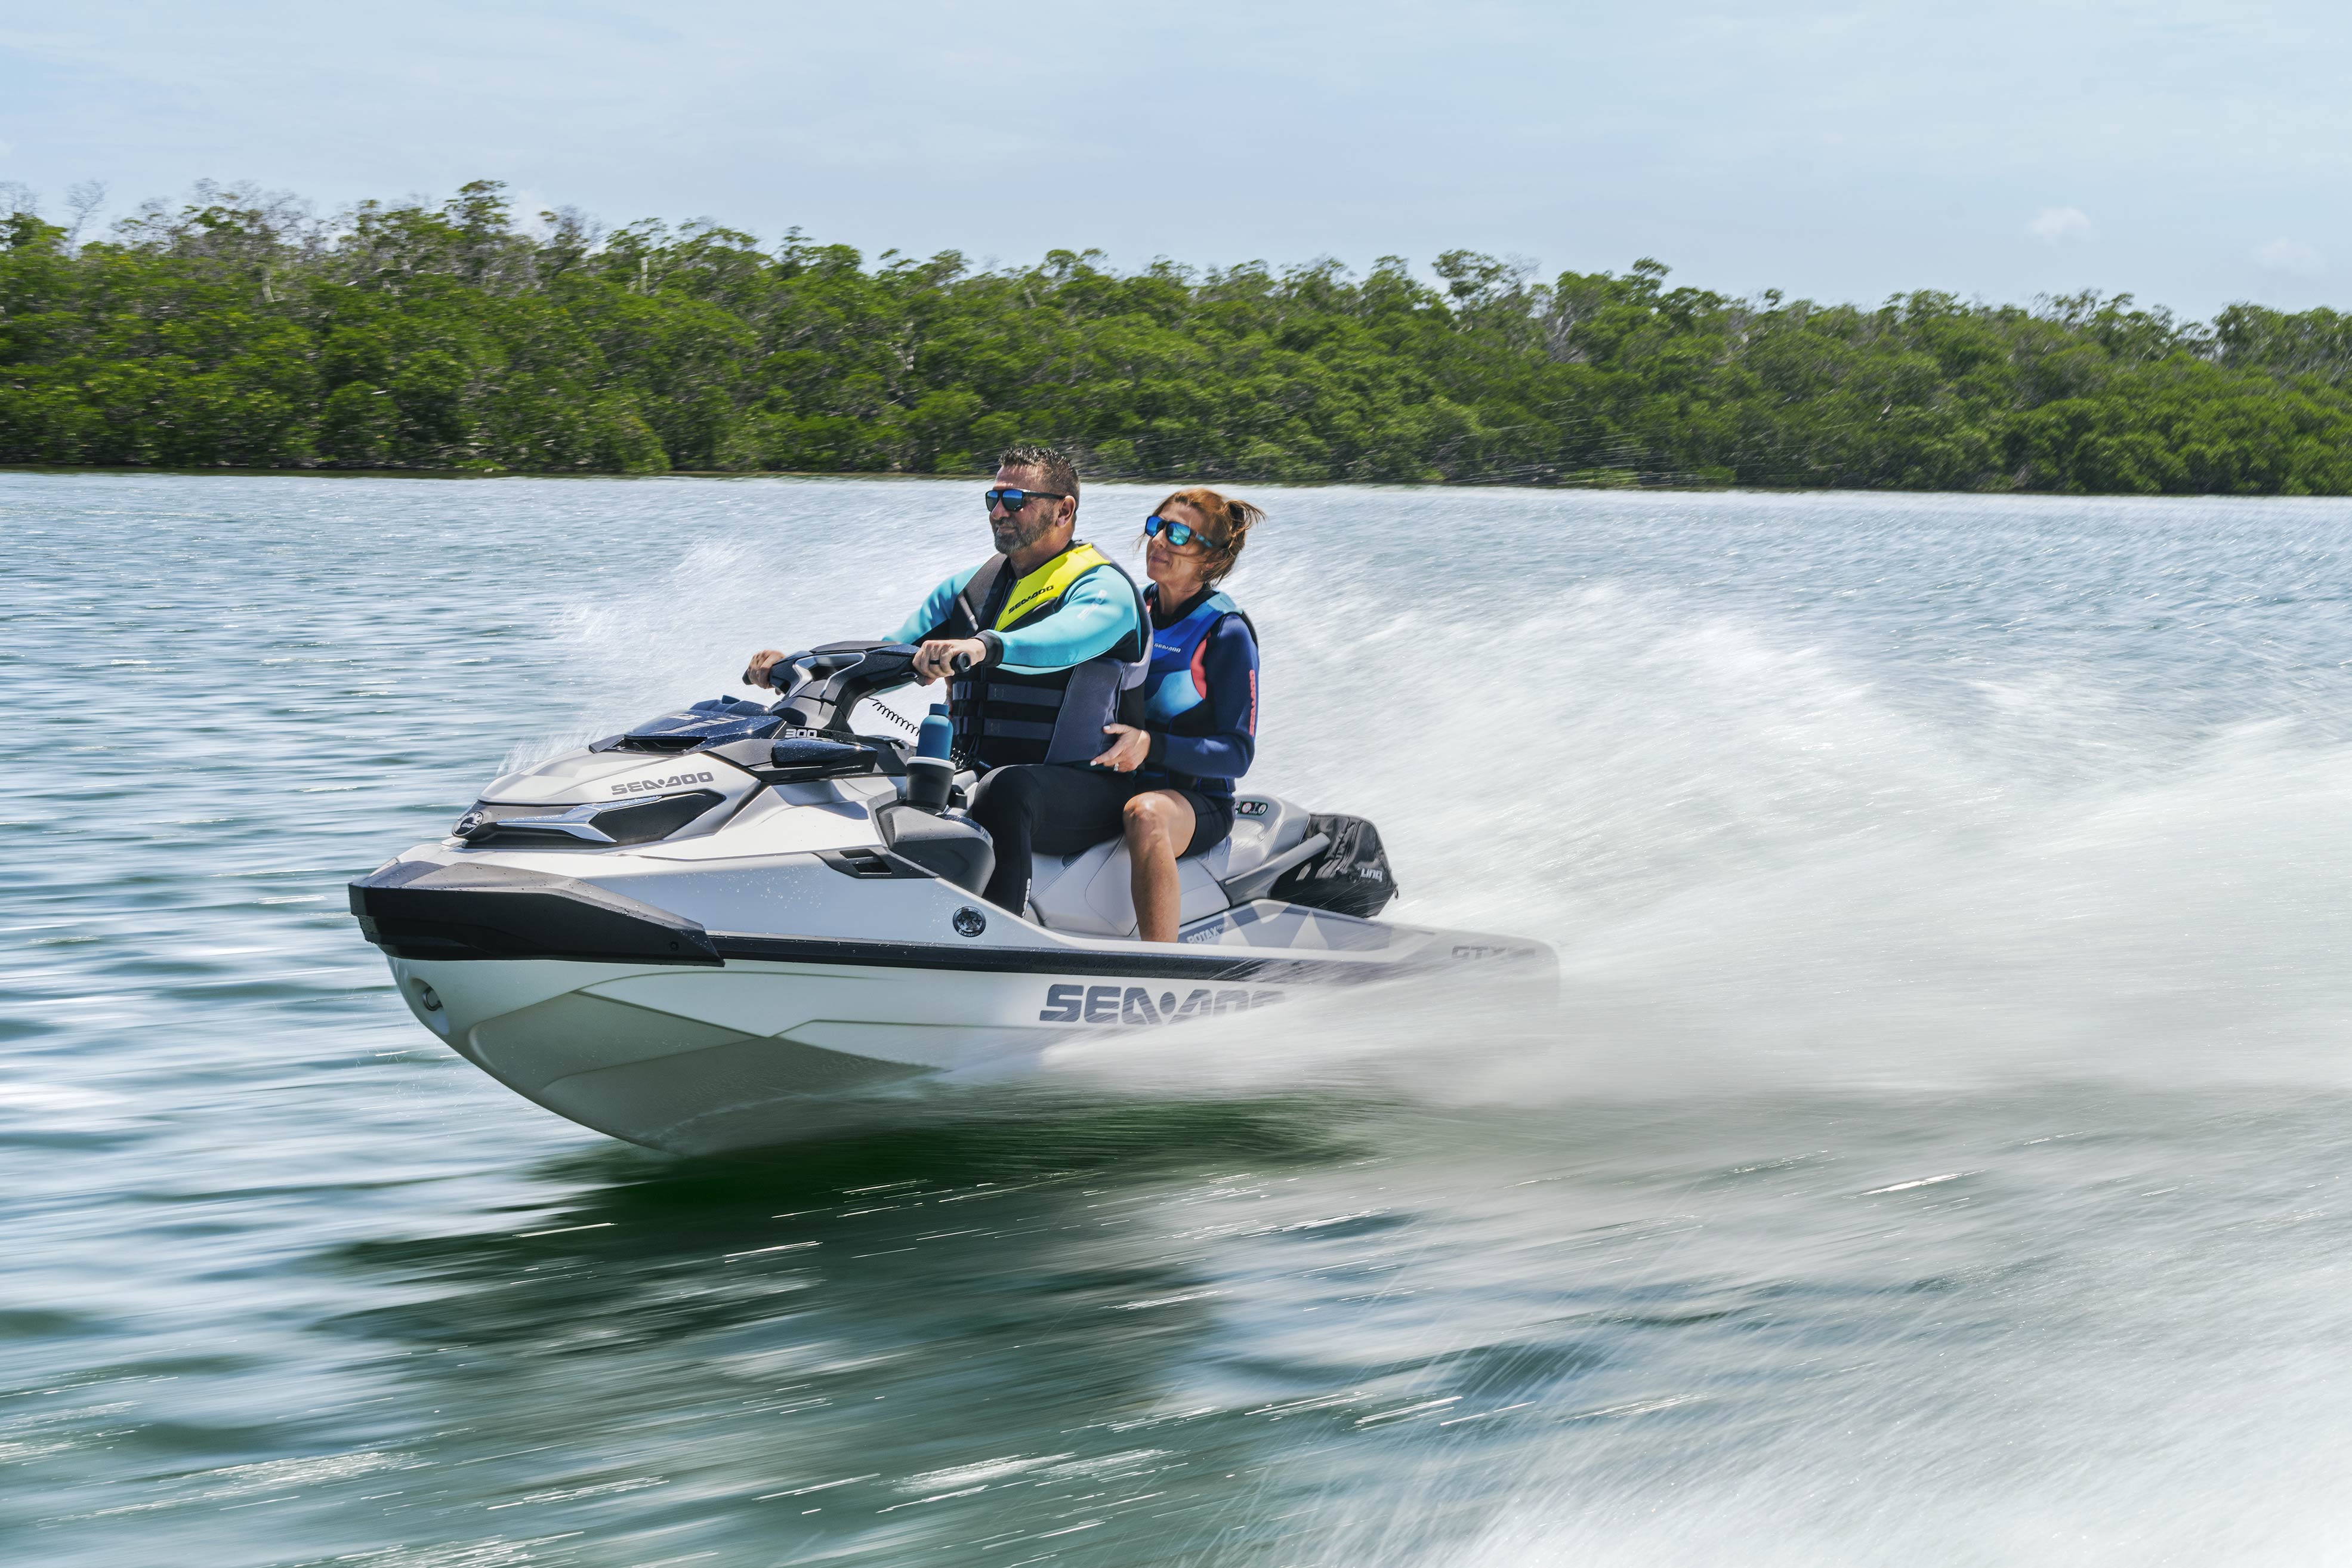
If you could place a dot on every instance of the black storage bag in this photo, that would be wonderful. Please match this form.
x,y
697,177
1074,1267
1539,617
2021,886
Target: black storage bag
x,y
1351,876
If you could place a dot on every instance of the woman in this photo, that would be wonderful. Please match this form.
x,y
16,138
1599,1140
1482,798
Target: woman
x,y
1199,725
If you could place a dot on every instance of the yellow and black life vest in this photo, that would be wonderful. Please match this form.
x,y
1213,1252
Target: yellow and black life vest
x,y
1003,717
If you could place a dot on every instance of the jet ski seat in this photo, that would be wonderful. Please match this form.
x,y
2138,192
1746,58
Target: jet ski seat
x,y
1091,894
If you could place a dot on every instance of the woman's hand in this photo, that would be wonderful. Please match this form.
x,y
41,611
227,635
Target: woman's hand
x,y
756,672
935,659
1127,748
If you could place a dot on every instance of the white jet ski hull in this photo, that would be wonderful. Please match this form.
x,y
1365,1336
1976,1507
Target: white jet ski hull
x,y
735,1048
702,1062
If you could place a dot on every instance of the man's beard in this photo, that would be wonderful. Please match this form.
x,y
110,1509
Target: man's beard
x,y
1017,533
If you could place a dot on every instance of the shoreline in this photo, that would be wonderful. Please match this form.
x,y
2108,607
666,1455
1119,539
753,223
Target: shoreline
x,y
1634,487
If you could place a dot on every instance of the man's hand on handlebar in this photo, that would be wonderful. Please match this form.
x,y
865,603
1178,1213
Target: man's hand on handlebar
x,y
756,672
943,655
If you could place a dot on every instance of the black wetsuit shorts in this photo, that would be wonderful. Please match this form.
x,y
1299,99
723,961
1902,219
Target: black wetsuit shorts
x,y
1062,808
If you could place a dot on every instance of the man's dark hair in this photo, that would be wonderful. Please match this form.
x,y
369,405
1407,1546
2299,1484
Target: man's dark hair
x,y
1061,474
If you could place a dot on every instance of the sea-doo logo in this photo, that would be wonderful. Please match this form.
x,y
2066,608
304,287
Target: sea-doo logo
x,y
1251,808
648,786
1132,1006
970,921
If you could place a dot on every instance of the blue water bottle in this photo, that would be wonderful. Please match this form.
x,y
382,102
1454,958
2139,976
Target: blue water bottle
x,y
930,771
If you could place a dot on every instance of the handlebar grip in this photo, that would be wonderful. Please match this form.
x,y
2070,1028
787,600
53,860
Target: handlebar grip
x,y
960,663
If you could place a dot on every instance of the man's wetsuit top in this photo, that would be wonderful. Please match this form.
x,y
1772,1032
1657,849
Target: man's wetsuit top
x,y
1096,613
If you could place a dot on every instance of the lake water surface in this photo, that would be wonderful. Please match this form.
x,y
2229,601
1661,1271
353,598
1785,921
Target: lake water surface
x,y
1940,1156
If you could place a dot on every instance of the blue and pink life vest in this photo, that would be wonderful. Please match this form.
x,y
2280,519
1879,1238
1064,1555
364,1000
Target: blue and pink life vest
x,y
1178,689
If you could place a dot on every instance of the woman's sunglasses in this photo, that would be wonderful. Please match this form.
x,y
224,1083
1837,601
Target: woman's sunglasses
x,y
1179,534
1013,501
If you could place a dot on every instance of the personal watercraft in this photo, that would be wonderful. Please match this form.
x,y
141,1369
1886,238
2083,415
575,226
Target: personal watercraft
x,y
690,933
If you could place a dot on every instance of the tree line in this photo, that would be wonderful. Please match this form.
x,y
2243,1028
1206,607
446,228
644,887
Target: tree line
x,y
240,329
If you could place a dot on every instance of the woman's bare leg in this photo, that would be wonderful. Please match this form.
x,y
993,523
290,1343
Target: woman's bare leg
x,y
1158,828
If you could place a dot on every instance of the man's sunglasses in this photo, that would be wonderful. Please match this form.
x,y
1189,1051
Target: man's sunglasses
x,y
1179,534
1013,501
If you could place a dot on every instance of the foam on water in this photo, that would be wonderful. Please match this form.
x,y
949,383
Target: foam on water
x,y
1937,1156
1766,856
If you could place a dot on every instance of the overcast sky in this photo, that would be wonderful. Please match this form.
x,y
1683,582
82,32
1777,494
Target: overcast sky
x,y
2193,154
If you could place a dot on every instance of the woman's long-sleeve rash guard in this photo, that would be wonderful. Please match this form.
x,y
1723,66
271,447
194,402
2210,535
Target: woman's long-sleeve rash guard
x,y
1217,739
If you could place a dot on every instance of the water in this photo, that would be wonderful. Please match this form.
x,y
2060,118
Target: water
x,y
1938,1157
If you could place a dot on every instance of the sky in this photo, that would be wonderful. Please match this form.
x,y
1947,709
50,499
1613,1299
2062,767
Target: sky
x,y
2192,154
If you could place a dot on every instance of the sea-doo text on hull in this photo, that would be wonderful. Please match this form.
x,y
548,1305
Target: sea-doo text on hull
x,y
680,935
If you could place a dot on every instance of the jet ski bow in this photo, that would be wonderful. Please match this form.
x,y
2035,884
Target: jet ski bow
x,y
685,934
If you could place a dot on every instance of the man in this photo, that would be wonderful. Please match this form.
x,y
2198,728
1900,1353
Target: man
x,y
1053,641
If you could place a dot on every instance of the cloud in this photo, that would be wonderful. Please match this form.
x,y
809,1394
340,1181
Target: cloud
x,y
2284,255
2052,225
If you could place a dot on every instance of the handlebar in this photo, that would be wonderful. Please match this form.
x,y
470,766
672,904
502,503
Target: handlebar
x,y
823,685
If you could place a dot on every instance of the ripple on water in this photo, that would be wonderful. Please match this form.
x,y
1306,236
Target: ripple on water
x,y
1938,1159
